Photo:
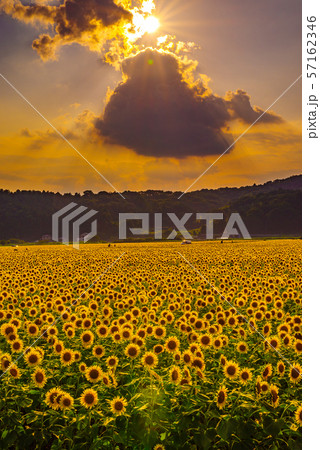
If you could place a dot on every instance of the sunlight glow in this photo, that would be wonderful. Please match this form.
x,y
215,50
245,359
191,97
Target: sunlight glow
x,y
151,24
144,24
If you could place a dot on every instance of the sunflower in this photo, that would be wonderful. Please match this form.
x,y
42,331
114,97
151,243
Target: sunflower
x,y
52,396
274,395
126,333
58,347
158,349
295,373
7,328
112,362
172,344
242,347
274,343
67,357
223,360
205,340
98,351
187,357
231,370
142,333
132,350
264,387
281,368
82,367
194,347
232,321
87,324
287,340
221,397
149,360
198,363
5,361
116,337
17,346
118,406
66,401
267,372
14,371
33,358
298,415
298,346
89,398
94,374
159,447
217,343
159,332
149,330
87,339
175,374
266,330
39,377
70,333
32,329
245,375
102,331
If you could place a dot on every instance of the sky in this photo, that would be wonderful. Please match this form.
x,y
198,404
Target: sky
x,y
149,108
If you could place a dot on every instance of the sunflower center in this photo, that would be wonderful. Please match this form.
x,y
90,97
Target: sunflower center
x,y
172,345
132,351
89,399
118,406
94,374
149,360
175,375
33,359
221,397
39,377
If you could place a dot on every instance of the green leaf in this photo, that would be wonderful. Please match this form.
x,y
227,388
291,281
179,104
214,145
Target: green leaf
x,y
226,428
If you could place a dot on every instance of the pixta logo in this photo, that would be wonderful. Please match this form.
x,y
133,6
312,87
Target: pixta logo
x,y
67,222
235,225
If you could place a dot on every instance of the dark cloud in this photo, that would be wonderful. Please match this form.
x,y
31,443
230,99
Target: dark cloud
x,y
239,104
157,112
73,21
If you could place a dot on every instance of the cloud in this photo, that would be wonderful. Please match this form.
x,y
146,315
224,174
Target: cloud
x,y
155,111
239,104
162,109
82,21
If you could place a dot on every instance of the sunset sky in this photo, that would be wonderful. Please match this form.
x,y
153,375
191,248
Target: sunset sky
x,y
150,108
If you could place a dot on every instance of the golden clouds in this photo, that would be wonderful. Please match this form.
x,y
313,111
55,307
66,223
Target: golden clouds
x,y
41,160
86,22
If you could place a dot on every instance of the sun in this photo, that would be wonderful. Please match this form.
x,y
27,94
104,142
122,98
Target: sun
x,y
150,24
142,25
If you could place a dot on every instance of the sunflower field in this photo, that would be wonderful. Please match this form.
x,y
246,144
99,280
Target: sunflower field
x,y
151,346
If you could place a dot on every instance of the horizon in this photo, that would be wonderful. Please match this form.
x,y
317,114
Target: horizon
x,y
152,190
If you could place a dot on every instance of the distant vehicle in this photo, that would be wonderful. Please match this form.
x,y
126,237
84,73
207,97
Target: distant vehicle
x,y
185,241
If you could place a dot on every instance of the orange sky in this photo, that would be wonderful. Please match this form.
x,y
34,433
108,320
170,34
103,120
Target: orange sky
x,y
71,91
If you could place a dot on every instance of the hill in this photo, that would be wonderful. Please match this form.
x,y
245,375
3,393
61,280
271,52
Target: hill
x,y
270,209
